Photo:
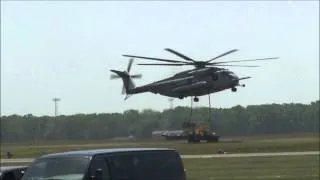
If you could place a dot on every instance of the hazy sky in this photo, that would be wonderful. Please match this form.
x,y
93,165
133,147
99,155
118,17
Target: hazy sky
x,y
66,49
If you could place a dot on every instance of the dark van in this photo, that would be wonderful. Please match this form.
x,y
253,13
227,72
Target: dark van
x,y
109,164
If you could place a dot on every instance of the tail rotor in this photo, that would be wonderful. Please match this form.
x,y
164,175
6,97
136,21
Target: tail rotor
x,y
134,76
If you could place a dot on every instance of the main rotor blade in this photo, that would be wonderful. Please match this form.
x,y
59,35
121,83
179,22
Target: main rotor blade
x,y
245,60
162,64
151,58
114,76
136,76
179,54
226,53
123,90
129,65
234,65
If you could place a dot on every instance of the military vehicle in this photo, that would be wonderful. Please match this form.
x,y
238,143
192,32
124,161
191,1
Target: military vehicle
x,y
194,133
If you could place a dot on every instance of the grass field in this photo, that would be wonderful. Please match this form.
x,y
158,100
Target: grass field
x,y
280,167
231,146
270,168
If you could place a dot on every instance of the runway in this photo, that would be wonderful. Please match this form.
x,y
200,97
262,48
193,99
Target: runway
x,y
251,155
29,160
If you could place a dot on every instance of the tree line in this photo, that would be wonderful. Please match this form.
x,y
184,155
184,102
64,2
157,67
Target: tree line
x,y
235,121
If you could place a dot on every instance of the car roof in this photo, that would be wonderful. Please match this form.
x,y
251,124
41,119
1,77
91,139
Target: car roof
x,y
92,152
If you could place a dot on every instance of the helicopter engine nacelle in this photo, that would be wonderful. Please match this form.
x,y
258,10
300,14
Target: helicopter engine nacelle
x,y
200,72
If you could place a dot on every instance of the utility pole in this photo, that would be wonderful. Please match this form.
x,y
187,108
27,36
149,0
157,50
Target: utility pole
x,y
171,103
170,118
171,99
56,100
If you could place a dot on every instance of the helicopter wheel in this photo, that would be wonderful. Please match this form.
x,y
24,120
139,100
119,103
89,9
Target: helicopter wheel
x,y
195,99
233,89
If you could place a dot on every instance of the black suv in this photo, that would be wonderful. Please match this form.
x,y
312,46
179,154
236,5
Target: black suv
x,y
109,164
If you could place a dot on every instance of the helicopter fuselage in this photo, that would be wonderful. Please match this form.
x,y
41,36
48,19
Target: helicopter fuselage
x,y
197,82
206,78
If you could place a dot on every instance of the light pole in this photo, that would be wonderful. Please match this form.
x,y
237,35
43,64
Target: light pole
x,y
56,100
168,122
171,103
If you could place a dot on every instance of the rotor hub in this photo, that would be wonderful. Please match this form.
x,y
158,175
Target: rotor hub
x,y
200,64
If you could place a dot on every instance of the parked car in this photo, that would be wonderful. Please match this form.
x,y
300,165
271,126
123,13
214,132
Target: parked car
x,y
105,164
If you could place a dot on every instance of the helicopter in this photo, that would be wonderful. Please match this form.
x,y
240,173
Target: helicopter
x,y
207,77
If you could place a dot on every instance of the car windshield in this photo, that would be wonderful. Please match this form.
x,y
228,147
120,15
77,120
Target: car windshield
x,y
64,168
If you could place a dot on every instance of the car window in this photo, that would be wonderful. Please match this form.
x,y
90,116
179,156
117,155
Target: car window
x,y
8,176
57,168
99,163
147,165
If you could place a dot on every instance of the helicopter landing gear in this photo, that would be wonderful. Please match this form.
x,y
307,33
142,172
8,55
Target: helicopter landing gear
x,y
195,99
234,89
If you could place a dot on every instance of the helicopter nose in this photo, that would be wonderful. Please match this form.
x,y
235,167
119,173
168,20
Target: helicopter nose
x,y
235,79
233,76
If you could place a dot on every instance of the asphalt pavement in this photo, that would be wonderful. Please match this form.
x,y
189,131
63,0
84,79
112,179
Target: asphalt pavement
x,y
226,155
